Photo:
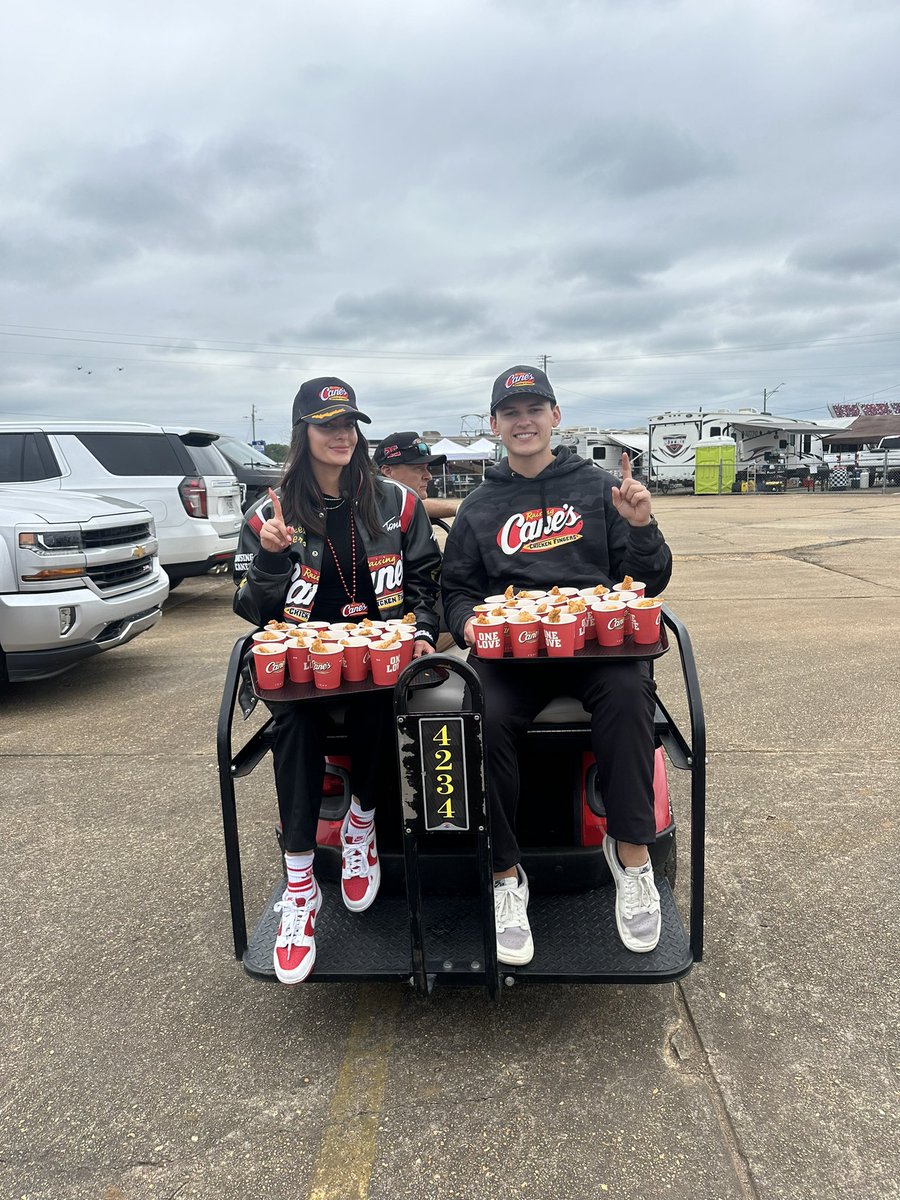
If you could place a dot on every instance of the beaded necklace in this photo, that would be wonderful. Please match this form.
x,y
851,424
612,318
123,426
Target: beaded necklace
x,y
354,607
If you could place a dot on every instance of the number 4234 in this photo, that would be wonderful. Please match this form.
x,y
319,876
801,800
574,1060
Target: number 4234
x,y
444,765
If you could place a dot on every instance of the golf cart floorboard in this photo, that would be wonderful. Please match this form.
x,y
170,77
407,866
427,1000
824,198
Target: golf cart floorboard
x,y
575,940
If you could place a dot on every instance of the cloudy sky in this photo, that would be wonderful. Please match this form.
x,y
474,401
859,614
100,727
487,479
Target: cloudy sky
x,y
681,202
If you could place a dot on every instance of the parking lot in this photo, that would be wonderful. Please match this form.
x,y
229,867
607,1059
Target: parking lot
x,y
140,1061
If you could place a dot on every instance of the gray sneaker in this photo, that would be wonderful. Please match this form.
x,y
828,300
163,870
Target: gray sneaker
x,y
514,944
638,918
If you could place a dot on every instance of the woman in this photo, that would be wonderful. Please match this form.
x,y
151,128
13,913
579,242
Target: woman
x,y
340,543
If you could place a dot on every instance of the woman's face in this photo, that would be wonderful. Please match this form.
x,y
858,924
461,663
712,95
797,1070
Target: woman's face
x,y
333,443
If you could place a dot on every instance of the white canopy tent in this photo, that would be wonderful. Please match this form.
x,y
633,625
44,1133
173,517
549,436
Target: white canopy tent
x,y
483,448
453,451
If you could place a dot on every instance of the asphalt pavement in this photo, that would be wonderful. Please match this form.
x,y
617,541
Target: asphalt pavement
x,y
139,1061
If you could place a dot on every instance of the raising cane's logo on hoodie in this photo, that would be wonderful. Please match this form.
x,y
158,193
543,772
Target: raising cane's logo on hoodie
x,y
539,529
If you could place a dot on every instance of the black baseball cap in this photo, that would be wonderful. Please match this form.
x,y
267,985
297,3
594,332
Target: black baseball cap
x,y
321,400
521,381
401,449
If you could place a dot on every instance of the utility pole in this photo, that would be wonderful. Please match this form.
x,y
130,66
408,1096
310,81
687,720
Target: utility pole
x,y
545,358
253,422
767,394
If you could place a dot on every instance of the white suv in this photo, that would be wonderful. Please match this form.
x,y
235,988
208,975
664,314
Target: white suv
x,y
178,477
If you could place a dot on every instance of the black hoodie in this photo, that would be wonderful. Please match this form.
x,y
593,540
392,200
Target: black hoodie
x,y
559,528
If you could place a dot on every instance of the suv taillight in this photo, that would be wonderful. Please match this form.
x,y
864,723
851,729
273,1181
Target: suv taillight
x,y
193,496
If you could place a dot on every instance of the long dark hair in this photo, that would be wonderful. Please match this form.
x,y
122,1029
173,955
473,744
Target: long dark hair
x,y
301,497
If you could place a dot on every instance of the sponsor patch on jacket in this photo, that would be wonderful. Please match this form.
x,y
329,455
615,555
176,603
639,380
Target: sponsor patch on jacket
x,y
301,593
387,579
537,530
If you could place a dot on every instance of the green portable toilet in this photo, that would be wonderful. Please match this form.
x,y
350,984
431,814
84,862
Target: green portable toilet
x,y
714,469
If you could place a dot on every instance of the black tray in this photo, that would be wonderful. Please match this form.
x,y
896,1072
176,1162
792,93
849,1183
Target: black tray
x,y
593,652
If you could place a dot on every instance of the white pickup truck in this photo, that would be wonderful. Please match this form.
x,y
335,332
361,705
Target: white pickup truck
x,y
78,575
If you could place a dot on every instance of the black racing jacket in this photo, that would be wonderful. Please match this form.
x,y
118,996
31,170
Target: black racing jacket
x,y
559,528
404,562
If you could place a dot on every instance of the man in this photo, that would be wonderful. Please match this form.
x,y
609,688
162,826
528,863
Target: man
x,y
541,518
406,458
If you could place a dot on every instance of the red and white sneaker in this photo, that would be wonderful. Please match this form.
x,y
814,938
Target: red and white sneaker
x,y
361,871
295,946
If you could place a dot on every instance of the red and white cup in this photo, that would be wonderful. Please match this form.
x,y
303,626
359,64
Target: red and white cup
x,y
269,664
270,636
530,596
327,666
560,635
279,627
299,667
625,597
590,630
639,589
407,646
490,637
592,596
315,626
386,664
525,638
609,619
356,659
645,620
568,592
580,628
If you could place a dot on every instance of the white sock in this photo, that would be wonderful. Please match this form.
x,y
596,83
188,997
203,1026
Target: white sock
x,y
299,873
361,818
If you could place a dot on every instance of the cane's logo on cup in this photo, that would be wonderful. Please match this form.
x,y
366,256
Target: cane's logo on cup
x,y
319,665
275,666
538,529
334,393
527,635
615,623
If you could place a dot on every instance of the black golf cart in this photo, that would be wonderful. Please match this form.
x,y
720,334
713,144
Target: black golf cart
x,y
433,921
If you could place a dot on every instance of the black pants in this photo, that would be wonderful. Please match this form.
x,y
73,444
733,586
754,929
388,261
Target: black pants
x,y
621,698
299,755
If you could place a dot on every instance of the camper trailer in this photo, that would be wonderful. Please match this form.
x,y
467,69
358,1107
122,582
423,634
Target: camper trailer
x,y
604,446
761,439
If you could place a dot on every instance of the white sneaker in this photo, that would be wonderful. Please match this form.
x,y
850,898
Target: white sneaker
x,y
360,869
295,945
514,944
638,917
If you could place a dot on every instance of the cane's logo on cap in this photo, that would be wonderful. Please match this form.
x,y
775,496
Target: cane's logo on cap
x,y
521,379
334,393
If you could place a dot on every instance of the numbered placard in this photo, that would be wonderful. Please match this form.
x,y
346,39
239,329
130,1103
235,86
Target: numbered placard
x,y
443,749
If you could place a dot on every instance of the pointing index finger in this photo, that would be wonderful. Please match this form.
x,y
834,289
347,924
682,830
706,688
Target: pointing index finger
x,y
276,504
625,464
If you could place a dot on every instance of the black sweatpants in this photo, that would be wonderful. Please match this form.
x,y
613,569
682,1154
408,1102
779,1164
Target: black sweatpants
x,y
621,698
299,755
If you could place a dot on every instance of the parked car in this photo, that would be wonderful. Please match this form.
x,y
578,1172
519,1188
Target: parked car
x,y
178,477
78,576
255,471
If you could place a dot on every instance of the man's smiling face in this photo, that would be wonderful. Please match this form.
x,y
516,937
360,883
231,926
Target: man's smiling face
x,y
524,425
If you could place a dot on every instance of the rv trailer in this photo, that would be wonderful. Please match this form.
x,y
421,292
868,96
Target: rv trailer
x,y
760,438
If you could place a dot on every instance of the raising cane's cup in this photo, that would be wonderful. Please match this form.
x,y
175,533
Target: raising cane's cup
x,y
327,664
524,636
625,597
387,663
559,634
299,666
490,636
646,615
609,620
268,664
356,658
269,635
639,589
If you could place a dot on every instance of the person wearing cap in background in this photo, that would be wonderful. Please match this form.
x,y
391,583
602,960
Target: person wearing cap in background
x,y
541,518
406,458
338,543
